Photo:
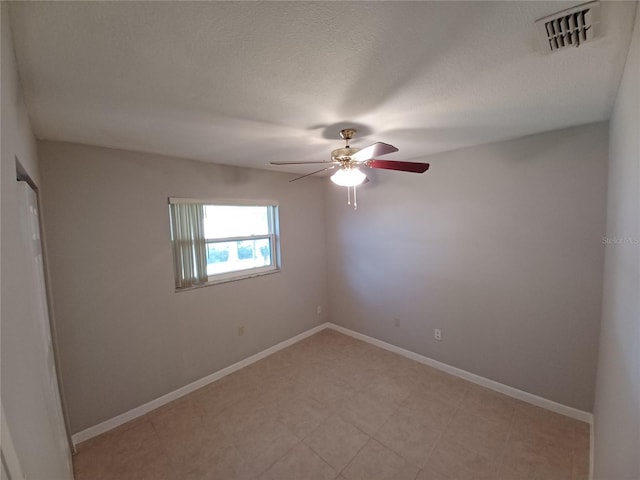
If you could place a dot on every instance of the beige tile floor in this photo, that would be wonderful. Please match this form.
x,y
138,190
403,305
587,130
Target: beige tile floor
x,y
331,407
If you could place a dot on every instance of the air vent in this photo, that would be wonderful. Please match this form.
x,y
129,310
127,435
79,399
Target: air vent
x,y
569,28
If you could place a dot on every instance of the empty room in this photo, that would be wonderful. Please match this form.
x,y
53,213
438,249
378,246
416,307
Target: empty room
x,y
332,240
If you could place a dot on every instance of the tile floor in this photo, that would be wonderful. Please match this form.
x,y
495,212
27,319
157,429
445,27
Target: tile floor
x,y
332,407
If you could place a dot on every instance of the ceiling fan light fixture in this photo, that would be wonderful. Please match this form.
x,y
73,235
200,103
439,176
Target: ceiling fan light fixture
x,y
348,177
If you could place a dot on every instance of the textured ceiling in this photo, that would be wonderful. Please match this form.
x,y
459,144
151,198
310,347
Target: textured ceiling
x,y
245,83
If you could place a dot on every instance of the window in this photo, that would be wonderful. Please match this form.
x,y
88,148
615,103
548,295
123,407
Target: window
x,y
239,238
215,241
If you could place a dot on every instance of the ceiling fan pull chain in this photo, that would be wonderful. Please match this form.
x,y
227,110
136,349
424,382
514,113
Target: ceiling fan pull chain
x,y
348,196
355,199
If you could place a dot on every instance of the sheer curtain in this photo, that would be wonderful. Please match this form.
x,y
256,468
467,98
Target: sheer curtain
x,y
189,246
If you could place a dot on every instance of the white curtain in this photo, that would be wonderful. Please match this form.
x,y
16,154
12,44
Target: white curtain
x,y
189,246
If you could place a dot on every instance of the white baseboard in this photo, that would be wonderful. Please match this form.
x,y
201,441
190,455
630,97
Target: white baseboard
x,y
118,420
472,377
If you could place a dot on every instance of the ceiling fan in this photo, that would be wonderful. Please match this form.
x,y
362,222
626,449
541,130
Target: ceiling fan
x,y
348,160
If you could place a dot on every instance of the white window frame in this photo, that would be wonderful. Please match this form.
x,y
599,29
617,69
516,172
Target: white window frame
x,y
273,237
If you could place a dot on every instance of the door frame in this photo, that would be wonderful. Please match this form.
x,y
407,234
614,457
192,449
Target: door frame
x,y
23,176
8,453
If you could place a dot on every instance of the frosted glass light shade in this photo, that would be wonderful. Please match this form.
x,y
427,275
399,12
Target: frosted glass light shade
x,y
348,177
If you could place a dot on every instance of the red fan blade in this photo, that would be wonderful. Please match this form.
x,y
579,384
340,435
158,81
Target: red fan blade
x,y
301,163
374,150
402,166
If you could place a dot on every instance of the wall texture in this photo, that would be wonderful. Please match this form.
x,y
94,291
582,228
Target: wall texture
x,y
39,442
500,246
617,406
125,336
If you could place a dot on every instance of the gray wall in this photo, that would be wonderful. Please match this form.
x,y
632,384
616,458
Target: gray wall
x,y
617,407
498,245
125,336
38,440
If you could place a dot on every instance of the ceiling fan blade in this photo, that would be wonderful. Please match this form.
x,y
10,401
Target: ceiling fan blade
x,y
313,173
374,150
301,163
401,166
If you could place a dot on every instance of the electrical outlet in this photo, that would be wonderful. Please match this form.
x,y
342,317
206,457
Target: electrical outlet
x,y
241,330
319,309
396,322
437,334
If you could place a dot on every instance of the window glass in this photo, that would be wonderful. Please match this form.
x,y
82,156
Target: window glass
x,y
238,255
224,221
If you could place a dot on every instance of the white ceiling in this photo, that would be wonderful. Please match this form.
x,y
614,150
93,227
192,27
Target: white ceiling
x,y
244,83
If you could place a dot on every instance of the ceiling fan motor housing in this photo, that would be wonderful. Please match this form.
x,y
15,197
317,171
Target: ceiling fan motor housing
x,y
343,154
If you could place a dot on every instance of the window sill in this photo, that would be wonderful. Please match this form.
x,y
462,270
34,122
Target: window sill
x,y
227,280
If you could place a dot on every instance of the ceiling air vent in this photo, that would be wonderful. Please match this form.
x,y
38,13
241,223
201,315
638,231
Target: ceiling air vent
x,y
569,28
